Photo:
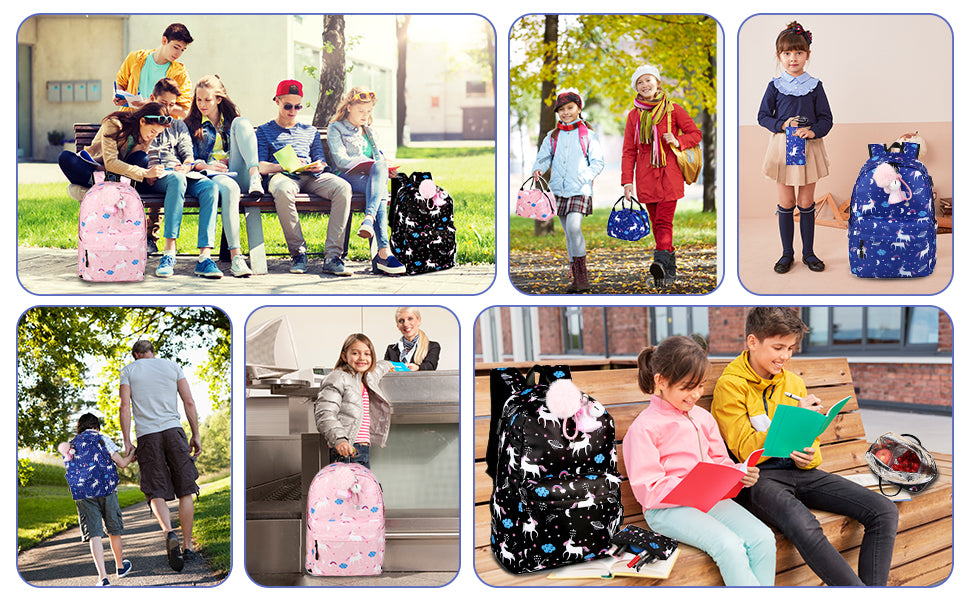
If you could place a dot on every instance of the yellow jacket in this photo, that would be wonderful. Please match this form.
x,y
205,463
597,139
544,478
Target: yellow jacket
x,y
744,402
130,72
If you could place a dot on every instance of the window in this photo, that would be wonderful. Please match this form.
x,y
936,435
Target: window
x,y
667,321
475,88
572,330
376,79
871,329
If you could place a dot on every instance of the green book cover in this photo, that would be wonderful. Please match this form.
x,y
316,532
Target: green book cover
x,y
795,428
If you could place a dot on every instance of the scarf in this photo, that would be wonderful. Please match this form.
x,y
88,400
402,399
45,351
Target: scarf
x,y
651,114
564,127
407,347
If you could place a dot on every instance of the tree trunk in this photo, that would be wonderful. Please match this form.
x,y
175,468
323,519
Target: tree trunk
x,y
547,112
333,72
709,170
401,26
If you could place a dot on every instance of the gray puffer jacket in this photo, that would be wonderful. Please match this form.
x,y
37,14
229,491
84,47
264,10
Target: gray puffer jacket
x,y
339,408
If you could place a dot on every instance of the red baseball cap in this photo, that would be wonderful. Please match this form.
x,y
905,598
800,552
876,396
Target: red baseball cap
x,y
289,87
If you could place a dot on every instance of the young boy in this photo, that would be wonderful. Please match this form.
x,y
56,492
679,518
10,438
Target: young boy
x,y
745,398
141,69
572,152
91,511
172,149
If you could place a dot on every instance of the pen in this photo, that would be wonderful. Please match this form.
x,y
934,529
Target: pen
x,y
793,396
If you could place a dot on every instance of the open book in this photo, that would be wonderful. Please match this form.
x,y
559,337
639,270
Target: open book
x,y
709,483
616,566
795,428
129,98
287,158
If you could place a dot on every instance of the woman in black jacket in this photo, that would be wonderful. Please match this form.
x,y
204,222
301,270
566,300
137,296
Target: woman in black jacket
x,y
414,349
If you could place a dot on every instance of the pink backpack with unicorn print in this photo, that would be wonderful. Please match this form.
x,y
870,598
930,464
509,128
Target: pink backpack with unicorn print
x,y
344,522
111,233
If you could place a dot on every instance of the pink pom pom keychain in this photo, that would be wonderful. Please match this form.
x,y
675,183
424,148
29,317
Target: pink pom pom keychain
x,y
566,401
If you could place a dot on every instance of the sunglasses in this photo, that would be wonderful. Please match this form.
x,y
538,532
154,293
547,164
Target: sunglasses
x,y
365,97
292,107
160,119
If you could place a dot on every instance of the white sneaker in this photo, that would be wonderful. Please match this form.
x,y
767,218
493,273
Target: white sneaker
x,y
255,185
239,267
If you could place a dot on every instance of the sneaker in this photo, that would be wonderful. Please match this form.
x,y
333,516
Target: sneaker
x,y
151,244
83,155
77,191
299,263
174,552
188,555
335,266
255,185
103,583
208,268
366,229
166,266
239,267
125,568
388,266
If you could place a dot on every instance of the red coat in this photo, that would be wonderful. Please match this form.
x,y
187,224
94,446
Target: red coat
x,y
656,184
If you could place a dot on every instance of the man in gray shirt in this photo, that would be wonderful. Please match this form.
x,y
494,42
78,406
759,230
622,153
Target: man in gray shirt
x,y
150,390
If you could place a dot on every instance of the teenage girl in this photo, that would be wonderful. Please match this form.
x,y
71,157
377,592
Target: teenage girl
x,y
351,410
351,140
414,349
223,141
574,162
666,441
654,126
795,106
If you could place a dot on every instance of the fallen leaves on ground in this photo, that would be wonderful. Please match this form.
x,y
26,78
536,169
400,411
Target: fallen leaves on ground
x,y
613,271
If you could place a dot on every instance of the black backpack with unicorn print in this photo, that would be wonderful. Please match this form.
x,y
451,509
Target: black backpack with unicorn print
x,y
552,459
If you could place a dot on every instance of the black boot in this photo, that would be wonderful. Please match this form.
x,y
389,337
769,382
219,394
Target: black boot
x,y
670,273
659,267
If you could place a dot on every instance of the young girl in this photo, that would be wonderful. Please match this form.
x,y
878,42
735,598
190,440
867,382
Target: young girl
x,y
649,161
666,441
354,156
574,153
795,108
414,348
351,410
223,141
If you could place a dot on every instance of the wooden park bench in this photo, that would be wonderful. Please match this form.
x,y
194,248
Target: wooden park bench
x,y
251,207
923,553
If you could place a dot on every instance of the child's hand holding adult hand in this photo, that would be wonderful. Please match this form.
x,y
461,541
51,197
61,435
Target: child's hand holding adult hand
x,y
802,459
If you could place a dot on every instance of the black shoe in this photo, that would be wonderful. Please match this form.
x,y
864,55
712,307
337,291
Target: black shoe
x,y
658,268
784,264
174,552
813,263
188,555
152,244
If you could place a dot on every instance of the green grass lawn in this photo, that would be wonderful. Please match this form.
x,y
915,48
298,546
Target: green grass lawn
x,y
45,508
47,217
692,227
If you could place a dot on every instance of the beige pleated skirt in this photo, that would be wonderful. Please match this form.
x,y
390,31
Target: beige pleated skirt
x,y
816,162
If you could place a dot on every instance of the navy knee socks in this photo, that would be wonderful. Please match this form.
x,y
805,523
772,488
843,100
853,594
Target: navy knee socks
x,y
806,223
786,227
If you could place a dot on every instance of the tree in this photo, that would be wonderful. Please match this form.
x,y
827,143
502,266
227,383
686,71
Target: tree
x,y
547,95
334,70
401,24
216,434
59,347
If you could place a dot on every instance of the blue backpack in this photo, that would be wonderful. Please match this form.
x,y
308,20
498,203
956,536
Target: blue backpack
x,y
893,239
91,473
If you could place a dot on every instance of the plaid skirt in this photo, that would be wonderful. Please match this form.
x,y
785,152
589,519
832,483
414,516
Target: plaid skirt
x,y
816,162
580,204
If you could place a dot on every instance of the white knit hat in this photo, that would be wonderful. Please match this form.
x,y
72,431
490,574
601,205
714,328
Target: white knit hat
x,y
644,70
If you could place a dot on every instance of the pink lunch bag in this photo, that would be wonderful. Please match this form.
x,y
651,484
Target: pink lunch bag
x,y
111,233
344,522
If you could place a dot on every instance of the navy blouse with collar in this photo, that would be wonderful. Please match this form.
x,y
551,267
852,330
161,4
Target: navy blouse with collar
x,y
789,96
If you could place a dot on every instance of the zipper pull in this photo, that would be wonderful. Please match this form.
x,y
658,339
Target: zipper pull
x,y
862,249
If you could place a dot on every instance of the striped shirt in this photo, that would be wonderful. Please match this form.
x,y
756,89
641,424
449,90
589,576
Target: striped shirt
x,y
305,139
363,435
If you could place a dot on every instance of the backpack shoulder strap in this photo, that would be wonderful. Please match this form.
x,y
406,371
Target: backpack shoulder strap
x,y
503,383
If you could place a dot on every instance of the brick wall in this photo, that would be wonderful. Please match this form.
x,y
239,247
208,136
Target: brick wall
x,y
908,383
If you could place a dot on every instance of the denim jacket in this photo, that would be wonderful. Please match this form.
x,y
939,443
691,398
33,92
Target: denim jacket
x,y
202,146
346,143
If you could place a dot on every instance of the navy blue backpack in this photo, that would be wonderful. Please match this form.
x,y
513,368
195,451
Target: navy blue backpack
x,y
893,239
90,473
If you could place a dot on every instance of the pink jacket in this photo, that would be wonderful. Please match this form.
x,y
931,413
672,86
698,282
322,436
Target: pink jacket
x,y
663,444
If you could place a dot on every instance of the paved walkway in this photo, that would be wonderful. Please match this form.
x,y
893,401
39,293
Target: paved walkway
x,y
54,271
64,560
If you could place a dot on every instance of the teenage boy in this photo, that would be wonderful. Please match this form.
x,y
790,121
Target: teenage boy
x,y
141,69
172,149
745,399
284,131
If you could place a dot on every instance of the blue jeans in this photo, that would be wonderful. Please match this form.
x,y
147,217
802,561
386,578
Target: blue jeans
x,y
361,458
783,497
374,187
82,173
175,186
742,546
